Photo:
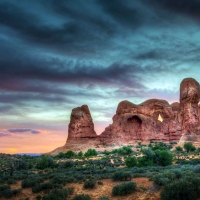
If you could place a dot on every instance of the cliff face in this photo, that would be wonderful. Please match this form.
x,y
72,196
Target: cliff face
x,y
81,125
189,109
141,122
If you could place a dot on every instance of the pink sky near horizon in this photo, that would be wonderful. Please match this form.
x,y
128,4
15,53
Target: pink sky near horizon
x,y
43,142
46,141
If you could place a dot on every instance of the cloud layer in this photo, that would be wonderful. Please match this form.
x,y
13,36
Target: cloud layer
x,y
57,55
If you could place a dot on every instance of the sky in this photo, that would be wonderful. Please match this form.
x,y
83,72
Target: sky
x,y
58,55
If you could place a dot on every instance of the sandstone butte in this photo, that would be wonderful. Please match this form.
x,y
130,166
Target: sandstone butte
x,y
181,122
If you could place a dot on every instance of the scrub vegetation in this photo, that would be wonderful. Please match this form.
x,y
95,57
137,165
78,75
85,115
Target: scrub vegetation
x,y
172,173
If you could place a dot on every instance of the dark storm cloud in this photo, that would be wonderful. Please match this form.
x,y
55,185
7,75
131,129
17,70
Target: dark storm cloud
x,y
79,31
64,51
184,7
23,130
125,13
18,98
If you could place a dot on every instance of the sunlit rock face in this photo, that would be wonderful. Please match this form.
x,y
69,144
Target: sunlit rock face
x,y
153,119
140,122
81,131
81,124
189,99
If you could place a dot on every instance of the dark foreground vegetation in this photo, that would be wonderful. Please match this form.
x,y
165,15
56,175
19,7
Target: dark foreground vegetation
x,y
175,173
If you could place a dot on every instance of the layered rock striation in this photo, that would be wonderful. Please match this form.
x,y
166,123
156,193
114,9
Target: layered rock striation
x,y
140,122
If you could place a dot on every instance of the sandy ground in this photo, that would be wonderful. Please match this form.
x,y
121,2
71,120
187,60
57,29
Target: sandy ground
x,y
106,190
100,190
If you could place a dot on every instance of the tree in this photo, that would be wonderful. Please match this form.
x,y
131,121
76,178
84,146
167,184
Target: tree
x,y
188,146
178,148
163,157
69,154
90,152
45,162
131,161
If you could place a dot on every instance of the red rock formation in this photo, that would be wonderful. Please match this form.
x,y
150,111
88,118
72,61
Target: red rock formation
x,y
140,122
189,99
81,124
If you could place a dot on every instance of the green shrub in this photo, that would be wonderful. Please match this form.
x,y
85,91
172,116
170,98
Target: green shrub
x,y
145,161
178,148
166,177
124,188
38,197
183,189
163,157
43,186
131,161
66,164
69,154
45,162
90,184
100,183
30,182
126,150
6,192
188,146
161,146
11,181
103,198
82,197
80,154
60,155
121,176
106,152
90,152
58,194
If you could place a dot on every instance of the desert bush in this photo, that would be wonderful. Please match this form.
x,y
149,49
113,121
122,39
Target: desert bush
x,y
90,152
178,148
11,181
145,161
45,162
30,182
161,146
126,150
124,188
163,157
121,176
43,186
166,177
106,152
103,198
38,197
82,197
60,155
66,164
89,184
6,192
99,182
131,161
188,146
183,189
69,154
58,194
